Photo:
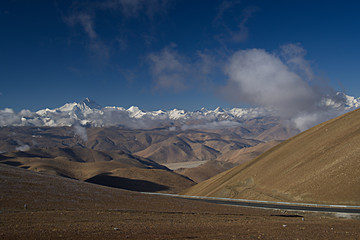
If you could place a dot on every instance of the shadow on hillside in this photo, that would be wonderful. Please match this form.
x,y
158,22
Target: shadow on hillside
x,y
12,163
126,183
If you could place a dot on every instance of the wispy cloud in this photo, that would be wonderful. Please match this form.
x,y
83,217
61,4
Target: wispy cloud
x,y
241,32
172,70
85,18
133,8
294,56
223,8
169,69
84,14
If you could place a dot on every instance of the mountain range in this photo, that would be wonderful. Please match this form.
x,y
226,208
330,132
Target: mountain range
x,y
92,143
89,113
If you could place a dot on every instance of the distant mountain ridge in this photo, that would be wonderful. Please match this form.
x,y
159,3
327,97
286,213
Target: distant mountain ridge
x,y
89,113
87,110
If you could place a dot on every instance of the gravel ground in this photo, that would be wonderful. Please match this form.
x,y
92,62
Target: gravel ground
x,y
60,208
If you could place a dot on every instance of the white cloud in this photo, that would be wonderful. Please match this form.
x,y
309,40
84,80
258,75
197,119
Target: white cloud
x,y
306,120
262,79
284,82
9,117
173,71
23,148
169,69
294,56
80,131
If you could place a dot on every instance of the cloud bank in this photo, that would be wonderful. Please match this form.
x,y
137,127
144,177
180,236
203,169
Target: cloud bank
x,y
283,82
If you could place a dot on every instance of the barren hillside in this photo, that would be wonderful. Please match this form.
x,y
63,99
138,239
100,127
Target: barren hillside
x,y
320,165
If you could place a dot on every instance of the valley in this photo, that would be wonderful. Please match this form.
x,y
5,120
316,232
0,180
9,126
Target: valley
x,y
91,153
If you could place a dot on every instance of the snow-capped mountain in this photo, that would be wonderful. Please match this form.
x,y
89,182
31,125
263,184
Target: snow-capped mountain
x,y
341,100
89,113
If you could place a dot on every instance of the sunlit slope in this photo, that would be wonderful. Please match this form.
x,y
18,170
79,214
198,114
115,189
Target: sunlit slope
x,y
320,165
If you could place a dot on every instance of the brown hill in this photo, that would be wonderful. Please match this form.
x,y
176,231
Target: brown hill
x,y
194,146
278,132
115,169
230,158
246,154
56,149
320,165
159,144
176,149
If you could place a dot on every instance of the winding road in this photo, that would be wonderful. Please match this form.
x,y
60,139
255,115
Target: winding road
x,y
271,205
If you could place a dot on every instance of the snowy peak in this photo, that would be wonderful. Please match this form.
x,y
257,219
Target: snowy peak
x,y
219,110
88,103
176,114
341,100
135,112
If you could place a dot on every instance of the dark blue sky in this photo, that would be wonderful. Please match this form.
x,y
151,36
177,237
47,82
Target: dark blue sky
x,y
164,54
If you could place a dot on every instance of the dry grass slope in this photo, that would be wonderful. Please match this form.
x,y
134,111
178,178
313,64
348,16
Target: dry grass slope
x,y
320,165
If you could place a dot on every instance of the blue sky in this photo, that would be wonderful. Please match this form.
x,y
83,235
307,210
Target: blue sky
x,y
164,54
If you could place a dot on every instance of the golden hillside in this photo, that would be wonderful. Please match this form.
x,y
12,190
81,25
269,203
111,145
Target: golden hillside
x,y
320,165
